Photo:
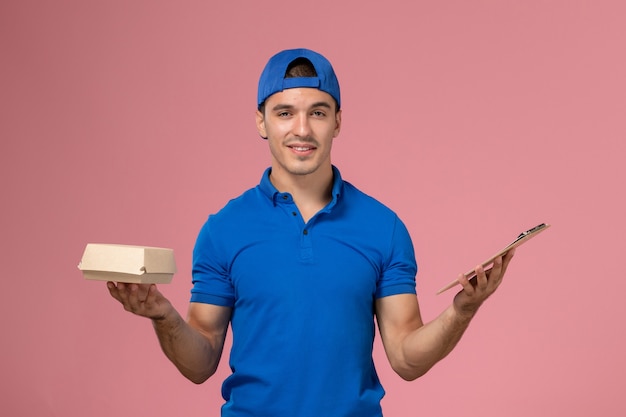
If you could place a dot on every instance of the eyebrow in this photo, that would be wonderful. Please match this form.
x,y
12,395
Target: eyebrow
x,y
289,106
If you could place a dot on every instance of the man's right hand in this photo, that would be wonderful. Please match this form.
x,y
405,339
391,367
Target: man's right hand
x,y
142,299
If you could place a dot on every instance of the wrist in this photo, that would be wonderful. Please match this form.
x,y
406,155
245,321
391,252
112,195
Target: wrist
x,y
464,312
167,315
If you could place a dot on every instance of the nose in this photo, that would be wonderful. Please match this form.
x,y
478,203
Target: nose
x,y
302,128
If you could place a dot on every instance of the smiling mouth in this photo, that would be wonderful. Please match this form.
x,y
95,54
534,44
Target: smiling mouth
x,y
302,148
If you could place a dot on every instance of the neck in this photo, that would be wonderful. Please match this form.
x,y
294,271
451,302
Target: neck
x,y
311,192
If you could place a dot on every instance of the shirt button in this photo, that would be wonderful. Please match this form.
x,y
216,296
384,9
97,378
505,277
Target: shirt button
x,y
305,232
294,213
285,196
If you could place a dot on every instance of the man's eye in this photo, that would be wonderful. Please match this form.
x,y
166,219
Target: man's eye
x,y
283,114
319,113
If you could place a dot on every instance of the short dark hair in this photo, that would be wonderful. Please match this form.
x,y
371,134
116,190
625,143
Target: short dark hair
x,y
300,67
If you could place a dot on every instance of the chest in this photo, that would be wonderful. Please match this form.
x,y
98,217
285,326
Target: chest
x,y
305,263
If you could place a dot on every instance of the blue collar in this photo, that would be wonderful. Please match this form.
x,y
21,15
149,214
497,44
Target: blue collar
x,y
268,189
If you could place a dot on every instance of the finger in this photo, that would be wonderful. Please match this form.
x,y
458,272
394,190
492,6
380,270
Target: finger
x,y
481,278
122,292
142,292
496,273
466,284
496,269
507,259
136,296
128,296
152,294
113,290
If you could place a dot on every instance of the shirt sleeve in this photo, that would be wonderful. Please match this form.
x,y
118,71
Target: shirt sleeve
x,y
400,268
210,269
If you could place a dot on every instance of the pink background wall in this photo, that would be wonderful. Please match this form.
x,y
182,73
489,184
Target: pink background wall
x,y
131,121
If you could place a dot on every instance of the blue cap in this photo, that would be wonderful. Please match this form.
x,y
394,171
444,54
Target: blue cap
x,y
273,76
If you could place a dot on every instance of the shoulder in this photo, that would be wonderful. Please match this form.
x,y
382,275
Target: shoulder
x,y
242,206
359,201
381,221
234,215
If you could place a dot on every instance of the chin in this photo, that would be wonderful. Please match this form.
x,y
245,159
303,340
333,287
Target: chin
x,y
302,171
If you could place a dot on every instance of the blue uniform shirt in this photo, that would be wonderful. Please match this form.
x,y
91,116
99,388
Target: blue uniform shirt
x,y
303,298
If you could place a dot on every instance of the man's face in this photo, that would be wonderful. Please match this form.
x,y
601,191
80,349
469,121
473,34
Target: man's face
x,y
300,125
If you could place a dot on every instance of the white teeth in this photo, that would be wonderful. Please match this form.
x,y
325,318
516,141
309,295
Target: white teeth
x,y
300,148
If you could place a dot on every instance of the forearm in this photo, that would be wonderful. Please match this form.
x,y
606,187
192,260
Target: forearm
x,y
189,350
413,347
424,347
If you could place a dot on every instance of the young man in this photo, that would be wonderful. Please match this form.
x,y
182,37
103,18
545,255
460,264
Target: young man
x,y
300,266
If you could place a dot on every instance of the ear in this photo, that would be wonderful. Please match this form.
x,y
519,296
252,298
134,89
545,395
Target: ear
x,y
260,124
337,123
